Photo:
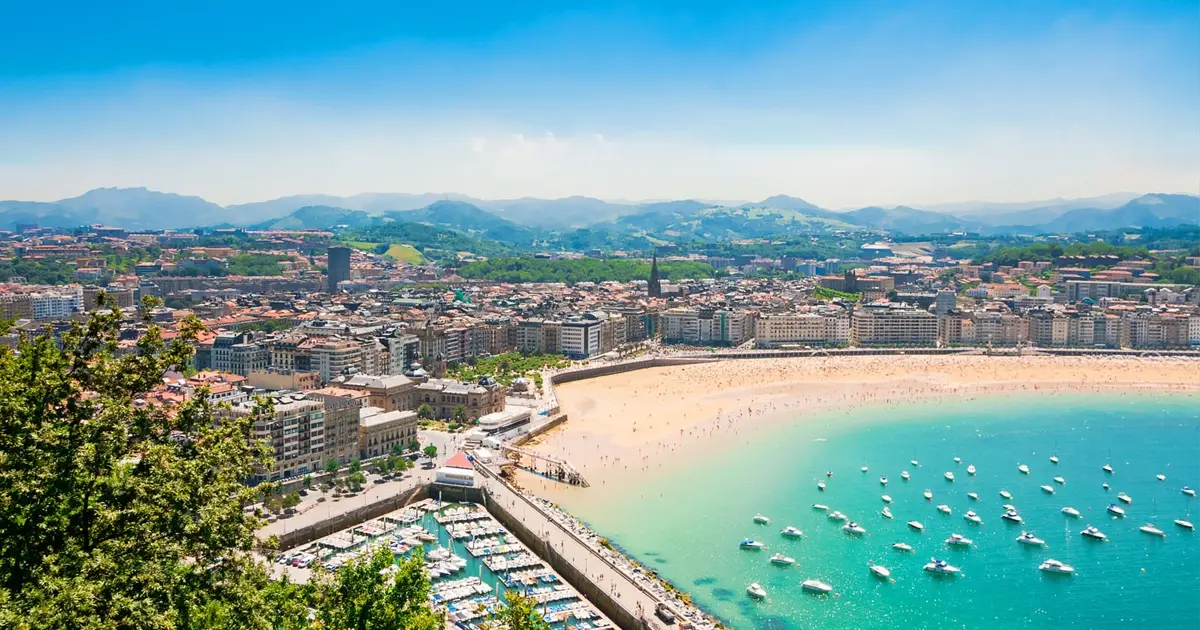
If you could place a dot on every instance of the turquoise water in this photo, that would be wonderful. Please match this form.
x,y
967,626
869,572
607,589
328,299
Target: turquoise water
x,y
686,522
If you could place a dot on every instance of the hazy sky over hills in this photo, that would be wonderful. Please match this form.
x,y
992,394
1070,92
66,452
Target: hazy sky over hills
x,y
842,103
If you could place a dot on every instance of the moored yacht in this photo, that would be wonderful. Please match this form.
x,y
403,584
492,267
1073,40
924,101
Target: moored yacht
x,y
1060,480
782,559
1149,528
816,586
973,517
1006,494
820,506
756,591
1011,516
1023,468
750,544
915,463
902,546
821,486
941,567
1054,459
1107,468
957,459
1054,566
1070,511
853,528
943,508
836,516
883,481
958,540
886,512
1048,489
971,469
1105,485
904,475
949,476
972,496
761,520
887,498
928,494
1188,491
865,469
1160,477
1093,533
1184,523
1009,507
1121,496
880,571
791,532
916,525
1029,539
1115,510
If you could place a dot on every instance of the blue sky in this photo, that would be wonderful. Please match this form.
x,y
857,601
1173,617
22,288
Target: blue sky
x,y
842,103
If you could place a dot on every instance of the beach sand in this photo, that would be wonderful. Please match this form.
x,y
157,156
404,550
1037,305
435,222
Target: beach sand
x,y
622,425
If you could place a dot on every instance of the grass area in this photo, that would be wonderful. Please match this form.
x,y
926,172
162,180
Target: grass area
x,y
365,246
825,293
508,366
405,253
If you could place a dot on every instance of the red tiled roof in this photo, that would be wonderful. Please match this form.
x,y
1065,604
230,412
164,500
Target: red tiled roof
x,y
459,460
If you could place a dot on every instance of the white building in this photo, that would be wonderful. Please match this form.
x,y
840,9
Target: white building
x,y
893,325
802,328
57,304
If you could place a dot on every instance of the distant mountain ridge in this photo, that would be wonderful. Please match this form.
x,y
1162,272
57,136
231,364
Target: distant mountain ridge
x,y
518,220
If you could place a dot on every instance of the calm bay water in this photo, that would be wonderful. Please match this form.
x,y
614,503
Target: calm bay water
x,y
686,520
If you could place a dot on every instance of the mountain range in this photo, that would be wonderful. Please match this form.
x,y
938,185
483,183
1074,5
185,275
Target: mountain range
x,y
515,220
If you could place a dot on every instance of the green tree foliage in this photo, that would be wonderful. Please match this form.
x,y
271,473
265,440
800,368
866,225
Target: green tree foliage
x,y
1048,252
580,270
520,612
825,293
431,451
435,243
506,367
425,412
370,593
47,271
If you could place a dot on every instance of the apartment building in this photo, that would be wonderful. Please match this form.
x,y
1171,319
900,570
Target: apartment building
x,y
388,392
296,432
342,434
330,358
56,304
16,306
707,326
379,431
893,325
802,328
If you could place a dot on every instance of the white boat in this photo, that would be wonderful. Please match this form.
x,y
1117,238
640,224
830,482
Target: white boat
x,y
1115,510
973,517
949,476
1107,468
886,512
1105,485
1048,489
887,498
973,496
1023,468
1009,508
816,586
881,571
756,591
1160,477
971,469
957,459
853,528
829,473
821,486
902,546
782,559
1092,532
865,469
958,540
791,532
904,475
1060,481
750,544
1188,491
943,508
820,506
1054,459
1006,494
1121,496
1029,539
1070,511
1012,516
1149,528
941,567
836,516
883,481
1054,566
916,525
928,495
1186,524
761,520
915,463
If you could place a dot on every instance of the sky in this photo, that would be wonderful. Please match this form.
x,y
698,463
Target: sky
x,y
843,103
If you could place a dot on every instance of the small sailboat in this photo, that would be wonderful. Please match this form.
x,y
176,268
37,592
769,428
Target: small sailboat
x,y
1029,539
865,469
887,498
915,463
1160,477
957,459
902,546
1054,566
1093,533
1107,468
880,571
761,520
883,481
1023,468
904,475
1048,489
973,496
949,476
1070,511
782,560
1105,485
791,532
1124,498
928,494
1060,481
944,509
1054,459
853,529
820,506
971,469
816,586
886,512
1115,510
756,591
972,517
1184,523
1006,494
1149,528
1188,491
916,525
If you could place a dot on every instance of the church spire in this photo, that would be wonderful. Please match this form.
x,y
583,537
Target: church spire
x,y
654,287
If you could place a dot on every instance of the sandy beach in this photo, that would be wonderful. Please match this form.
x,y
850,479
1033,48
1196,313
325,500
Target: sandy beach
x,y
625,424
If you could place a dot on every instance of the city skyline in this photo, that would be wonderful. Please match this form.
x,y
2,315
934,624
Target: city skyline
x,y
842,104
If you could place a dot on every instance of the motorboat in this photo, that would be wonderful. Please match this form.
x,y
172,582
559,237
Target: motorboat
x,y
756,591
904,475
1093,533
883,481
1023,468
820,506
821,486
761,520
881,572
1060,481
886,512
928,494
782,559
915,463
791,532
944,509
865,469
957,459
887,498
973,517
949,476
1105,485
958,540
1149,528
750,544
1009,507
973,496
1054,459
1054,566
816,586
1115,510
1048,489
1006,494
941,567
1029,539
1160,477
853,528
971,469
916,525
1186,524
1011,516
902,546
829,473
1070,511
1124,498
1189,491
1107,468
836,516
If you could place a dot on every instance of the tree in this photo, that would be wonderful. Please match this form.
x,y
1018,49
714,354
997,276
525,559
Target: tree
x,y
431,451
116,514
374,593
331,467
291,500
355,465
397,450
460,414
425,412
308,482
414,445
356,480
520,612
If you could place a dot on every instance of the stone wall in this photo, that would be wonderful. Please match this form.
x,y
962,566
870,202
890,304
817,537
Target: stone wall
x,y
337,523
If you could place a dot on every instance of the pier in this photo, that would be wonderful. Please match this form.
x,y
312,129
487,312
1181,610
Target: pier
x,y
545,465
